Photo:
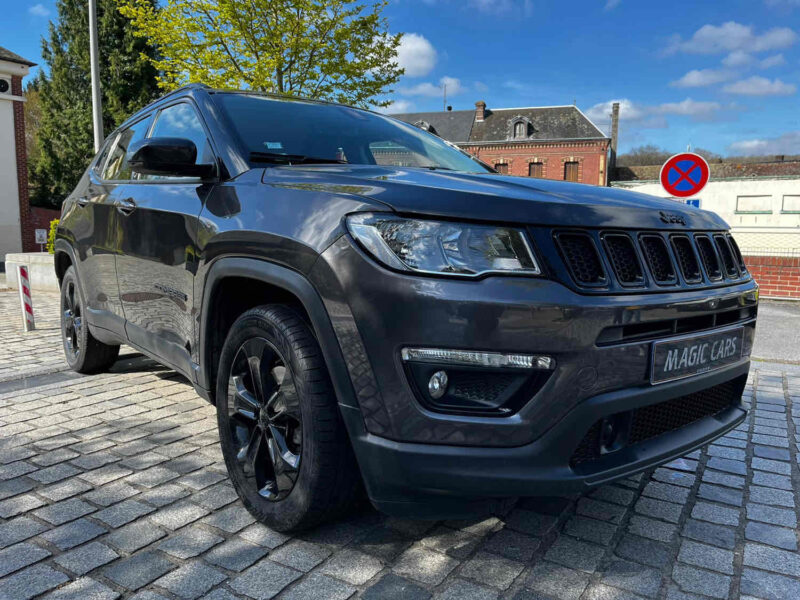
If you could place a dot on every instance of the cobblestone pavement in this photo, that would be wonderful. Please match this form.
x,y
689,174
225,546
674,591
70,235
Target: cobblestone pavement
x,y
114,486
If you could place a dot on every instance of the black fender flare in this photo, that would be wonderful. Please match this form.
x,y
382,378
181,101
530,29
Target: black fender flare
x,y
292,282
63,246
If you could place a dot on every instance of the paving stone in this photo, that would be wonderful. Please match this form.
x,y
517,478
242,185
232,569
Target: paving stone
x,y
772,480
216,496
385,543
614,494
122,513
770,440
772,515
769,585
265,580
491,570
418,563
191,580
650,528
530,523
134,536
772,535
632,577
726,452
512,545
84,588
86,558
645,551
737,467
64,490
190,542
771,466
300,555
73,534
765,495
231,519
111,493
54,473
726,479
64,511
18,505
717,493
353,567
31,582
701,582
263,536
105,474
12,487
465,590
19,529
20,555
319,586
460,544
555,581
152,477
665,491
772,559
164,494
715,513
772,453
708,557
710,533
177,515
683,464
659,509
674,477
575,554
604,592
138,570
15,469
235,554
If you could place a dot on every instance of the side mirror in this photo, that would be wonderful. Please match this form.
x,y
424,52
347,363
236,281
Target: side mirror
x,y
167,156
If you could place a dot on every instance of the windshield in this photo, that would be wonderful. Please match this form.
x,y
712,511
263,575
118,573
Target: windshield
x,y
298,132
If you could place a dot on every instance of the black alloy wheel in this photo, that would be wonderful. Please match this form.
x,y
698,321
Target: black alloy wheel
x,y
73,320
265,419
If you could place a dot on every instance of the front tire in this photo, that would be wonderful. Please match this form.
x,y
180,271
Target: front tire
x,y
83,352
284,443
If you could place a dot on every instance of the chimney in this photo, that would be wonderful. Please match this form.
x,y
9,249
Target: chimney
x,y
480,110
612,159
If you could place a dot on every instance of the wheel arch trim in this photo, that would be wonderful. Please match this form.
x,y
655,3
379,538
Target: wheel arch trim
x,y
291,281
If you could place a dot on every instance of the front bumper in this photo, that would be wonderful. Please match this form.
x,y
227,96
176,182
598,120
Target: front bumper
x,y
443,481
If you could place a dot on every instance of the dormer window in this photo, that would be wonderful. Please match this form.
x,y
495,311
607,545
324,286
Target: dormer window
x,y
520,129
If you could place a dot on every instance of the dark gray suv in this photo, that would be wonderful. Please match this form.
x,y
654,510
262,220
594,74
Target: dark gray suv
x,y
368,306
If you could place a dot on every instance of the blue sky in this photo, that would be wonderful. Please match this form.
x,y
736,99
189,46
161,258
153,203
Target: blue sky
x,y
722,75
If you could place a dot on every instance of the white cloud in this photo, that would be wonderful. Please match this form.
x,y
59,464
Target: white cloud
x,y
39,10
397,106
732,36
416,55
772,61
492,6
479,86
454,87
702,78
517,86
788,143
760,86
738,58
644,116
611,4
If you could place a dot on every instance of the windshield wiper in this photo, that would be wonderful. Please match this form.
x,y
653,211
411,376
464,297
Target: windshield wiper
x,y
278,158
434,168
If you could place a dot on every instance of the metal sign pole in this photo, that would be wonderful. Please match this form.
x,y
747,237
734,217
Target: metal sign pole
x,y
25,298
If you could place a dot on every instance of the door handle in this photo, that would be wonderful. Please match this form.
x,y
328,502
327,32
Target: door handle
x,y
83,201
126,205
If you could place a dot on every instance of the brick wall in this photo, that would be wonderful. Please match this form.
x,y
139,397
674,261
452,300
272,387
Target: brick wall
x,y
777,276
28,239
590,156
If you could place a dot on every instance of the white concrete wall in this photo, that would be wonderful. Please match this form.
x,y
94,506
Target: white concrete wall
x,y
10,237
764,214
41,271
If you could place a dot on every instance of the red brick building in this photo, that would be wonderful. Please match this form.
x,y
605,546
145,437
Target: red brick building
x,y
549,142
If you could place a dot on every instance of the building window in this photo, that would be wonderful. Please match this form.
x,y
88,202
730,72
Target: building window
x,y
754,205
791,204
536,169
501,168
571,171
520,128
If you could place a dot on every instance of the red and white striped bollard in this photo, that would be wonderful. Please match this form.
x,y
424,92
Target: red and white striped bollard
x,y
25,298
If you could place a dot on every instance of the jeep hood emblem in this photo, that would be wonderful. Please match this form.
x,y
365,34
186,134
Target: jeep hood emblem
x,y
672,218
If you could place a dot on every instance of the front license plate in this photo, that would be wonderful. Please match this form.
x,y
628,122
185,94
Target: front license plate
x,y
676,359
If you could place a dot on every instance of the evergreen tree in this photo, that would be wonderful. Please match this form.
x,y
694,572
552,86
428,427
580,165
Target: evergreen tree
x,y
128,82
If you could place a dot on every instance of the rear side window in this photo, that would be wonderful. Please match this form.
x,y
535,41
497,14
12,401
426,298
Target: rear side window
x,y
101,160
117,163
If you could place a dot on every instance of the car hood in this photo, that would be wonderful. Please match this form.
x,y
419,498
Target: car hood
x,y
490,197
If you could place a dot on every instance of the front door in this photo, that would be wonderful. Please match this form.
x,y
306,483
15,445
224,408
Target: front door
x,y
158,247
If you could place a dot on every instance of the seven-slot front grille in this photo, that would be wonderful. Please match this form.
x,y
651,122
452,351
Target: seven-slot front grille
x,y
630,260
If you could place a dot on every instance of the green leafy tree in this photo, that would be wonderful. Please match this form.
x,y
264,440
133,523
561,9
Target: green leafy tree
x,y
64,137
329,49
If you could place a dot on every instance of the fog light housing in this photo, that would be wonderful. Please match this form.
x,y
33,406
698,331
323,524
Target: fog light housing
x,y
478,359
437,385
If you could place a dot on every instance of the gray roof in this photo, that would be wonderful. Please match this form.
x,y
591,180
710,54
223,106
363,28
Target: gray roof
x,y
543,123
9,56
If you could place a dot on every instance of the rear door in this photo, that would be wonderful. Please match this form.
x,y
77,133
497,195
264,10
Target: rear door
x,y
157,261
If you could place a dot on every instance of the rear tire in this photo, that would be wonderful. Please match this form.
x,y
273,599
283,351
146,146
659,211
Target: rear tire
x,y
285,445
83,352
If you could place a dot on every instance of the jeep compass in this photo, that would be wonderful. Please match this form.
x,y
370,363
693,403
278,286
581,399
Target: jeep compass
x,y
370,308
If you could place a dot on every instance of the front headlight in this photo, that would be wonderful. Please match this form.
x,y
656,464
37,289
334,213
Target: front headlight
x,y
442,247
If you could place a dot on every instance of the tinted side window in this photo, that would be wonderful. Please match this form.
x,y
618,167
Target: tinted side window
x,y
181,121
117,165
101,160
